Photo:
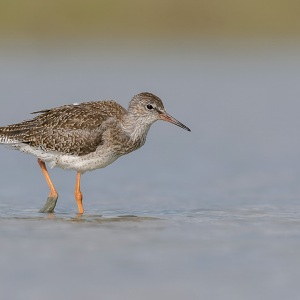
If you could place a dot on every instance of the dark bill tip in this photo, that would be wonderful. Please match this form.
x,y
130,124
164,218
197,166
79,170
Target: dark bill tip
x,y
170,119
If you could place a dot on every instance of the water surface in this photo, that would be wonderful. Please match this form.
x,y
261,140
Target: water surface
x,y
211,214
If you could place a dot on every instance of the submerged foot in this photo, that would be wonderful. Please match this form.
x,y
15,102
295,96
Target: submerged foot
x,y
49,205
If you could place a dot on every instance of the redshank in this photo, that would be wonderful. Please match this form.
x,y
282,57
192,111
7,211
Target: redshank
x,y
85,136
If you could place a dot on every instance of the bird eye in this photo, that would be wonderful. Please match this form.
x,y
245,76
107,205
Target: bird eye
x,y
149,106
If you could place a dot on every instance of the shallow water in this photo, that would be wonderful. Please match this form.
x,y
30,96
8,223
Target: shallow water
x,y
211,214
236,253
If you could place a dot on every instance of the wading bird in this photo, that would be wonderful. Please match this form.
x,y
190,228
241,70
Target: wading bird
x,y
85,136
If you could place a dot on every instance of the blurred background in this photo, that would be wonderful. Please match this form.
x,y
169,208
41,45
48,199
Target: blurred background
x,y
228,69
68,19
224,198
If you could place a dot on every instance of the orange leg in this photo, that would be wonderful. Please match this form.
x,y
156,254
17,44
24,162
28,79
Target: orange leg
x,y
78,194
52,198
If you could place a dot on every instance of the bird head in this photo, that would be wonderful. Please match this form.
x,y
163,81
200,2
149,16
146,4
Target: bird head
x,y
150,108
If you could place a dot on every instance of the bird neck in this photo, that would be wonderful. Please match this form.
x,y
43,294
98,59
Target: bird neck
x,y
136,128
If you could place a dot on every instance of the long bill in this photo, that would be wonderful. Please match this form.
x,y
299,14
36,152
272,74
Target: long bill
x,y
166,117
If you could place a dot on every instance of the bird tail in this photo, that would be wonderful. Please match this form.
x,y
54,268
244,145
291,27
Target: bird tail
x,y
10,135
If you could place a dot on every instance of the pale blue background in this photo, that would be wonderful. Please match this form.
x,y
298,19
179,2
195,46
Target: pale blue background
x,y
223,200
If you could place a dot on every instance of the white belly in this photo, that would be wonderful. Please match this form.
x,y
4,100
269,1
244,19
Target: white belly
x,y
84,163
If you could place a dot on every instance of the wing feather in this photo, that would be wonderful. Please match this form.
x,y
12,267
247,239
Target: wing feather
x,y
71,129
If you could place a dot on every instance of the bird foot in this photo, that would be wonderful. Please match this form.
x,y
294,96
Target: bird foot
x,y
49,205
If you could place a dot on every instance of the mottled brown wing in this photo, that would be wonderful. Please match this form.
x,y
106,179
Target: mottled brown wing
x,y
70,129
